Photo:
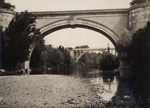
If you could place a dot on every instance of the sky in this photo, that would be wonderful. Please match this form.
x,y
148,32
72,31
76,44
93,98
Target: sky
x,y
72,37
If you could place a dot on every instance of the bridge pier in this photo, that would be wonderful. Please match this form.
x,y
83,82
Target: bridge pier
x,y
75,55
72,53
111,51
79,53
115,53
27,66
27,63
124,69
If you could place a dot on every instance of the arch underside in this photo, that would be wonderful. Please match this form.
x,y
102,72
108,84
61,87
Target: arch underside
x,y
80,23
80,56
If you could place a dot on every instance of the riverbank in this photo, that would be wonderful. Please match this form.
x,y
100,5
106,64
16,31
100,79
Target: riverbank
x,y
36,91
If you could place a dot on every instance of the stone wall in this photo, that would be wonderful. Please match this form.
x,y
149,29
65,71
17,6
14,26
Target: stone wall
x,y
5,17
139,15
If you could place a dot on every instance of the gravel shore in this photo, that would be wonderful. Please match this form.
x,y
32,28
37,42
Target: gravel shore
x,y
47,91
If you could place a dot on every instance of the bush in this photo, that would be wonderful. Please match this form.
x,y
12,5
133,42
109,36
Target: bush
x,y
109,62
139,57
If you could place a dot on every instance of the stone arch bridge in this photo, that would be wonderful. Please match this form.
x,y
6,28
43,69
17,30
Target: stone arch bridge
x,y
77,53
112,23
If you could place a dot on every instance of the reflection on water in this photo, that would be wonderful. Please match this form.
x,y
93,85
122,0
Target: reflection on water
x,y
107,83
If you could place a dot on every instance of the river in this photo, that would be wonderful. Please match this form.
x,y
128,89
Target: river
x,y
106,83
112,88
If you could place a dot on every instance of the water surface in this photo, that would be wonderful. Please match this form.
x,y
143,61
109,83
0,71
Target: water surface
x,y
106,83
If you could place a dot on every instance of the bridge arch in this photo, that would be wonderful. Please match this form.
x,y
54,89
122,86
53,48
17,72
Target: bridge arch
x,y
79,23
80,56
89,50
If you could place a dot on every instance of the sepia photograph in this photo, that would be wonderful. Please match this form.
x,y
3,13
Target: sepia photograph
x,y
74,53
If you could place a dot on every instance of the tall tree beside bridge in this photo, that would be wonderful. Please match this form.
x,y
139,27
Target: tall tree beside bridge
x,y
122,47
19,35
140,62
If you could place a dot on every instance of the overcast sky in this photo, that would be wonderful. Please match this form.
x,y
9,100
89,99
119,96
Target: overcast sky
x,y
72,37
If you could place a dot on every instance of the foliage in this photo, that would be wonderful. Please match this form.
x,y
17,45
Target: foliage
x,y
83,46
122,46
59,57
137,1
108,62
50,51
6,5
35,57
61,48
58,60
140,59
91,60
19,35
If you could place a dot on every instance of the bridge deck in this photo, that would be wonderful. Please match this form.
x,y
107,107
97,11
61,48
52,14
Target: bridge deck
x,y
78,12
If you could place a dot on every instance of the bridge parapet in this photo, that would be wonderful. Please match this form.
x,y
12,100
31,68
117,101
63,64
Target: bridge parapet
x,y
79,12
110,22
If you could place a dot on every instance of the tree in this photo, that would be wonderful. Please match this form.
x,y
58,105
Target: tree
x,y
58,60
61,48
19,35
59,57
51,55
43,61
137,1
122,46
140,60
6,5
83,46
68,64
35,57
108,62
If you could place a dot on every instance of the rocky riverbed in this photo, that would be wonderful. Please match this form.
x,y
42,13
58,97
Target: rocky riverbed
x,y
48,91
